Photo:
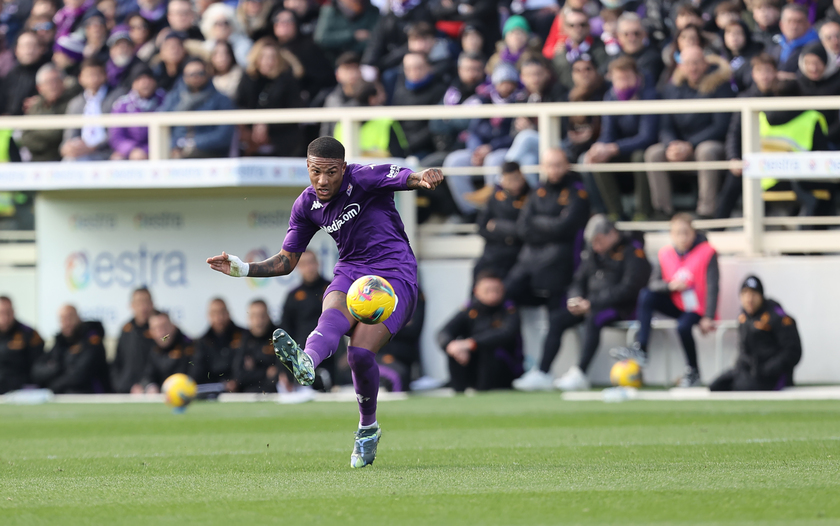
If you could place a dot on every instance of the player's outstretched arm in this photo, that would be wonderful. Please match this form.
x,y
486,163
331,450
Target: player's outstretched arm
x,y
428,179
279,264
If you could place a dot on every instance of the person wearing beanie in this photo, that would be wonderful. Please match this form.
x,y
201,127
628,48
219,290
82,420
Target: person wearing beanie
x,y
487,141
145,96
516,41
768,343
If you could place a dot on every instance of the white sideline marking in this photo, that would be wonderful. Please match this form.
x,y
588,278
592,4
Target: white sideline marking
x,y
703,393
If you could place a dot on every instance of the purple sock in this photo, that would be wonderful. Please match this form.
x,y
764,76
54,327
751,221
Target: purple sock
x,y
365,381
323,341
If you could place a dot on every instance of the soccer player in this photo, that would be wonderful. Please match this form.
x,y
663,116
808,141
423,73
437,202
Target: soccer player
x,y
355,205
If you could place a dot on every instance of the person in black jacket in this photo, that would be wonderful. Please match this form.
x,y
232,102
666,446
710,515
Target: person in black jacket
x,y
171,353
269,84
20,347
317,69
76,364
634,43
19,84
606,286
483,340
302,310
256,367
768,343
134,345
763,74
384,50
739,49
214,352
418,85
397,358
497,222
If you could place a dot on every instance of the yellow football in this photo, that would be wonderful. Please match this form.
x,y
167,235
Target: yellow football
x,y
626,373
371,299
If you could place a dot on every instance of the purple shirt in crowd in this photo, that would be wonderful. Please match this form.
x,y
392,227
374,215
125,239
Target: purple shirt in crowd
x,y
362,219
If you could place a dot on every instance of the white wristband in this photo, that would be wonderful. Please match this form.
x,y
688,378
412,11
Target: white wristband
x,y
238,268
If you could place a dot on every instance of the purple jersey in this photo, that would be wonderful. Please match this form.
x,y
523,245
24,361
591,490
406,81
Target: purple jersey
x,y
362,219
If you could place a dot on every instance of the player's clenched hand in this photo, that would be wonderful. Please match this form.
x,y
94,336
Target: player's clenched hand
x,y
428,179
229,264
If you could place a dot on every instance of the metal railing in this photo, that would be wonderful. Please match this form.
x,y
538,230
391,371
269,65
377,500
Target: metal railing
x,y
752,241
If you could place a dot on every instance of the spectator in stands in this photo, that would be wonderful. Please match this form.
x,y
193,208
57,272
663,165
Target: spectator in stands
x,y
219,24
689,36
381,137
684,286
558,34
255,367
588,86
605,289
141,36
451,134
68,19
168,65
133,143
196,93
67,55
542,15
551,227
769,347
389,35
816,79
830,39
134,345
108,8
227,74
43,27
497,222
171,353
91,142
181,18
763,75
317,70
348,74
96,35
610,30
399,356
418,85
303,308
268,83
76,363
691,136
215,351
483,13
473,42
17,95
832,14
766,15
483,340
121,65
20,347
345,25
635,44
43,145
726,12
516,41
580,43
739,49
624,138
306,12
488,139
422,39
796,33
255,18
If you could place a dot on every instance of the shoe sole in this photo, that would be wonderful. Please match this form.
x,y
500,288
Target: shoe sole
x,y
353,456
289,354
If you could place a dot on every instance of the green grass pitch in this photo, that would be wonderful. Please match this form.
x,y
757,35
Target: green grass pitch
x,y
502,458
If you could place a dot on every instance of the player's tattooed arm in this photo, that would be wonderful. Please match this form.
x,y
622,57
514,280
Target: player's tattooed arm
x,y
428,179
279,264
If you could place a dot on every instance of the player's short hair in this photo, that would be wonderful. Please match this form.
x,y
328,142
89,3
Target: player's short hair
x,y
682,217
487,274
764,59
624,63
510,167
326,148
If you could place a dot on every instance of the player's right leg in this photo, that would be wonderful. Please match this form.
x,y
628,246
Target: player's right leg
x,y
335,321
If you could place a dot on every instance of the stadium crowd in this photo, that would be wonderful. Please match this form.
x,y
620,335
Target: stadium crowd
x,y
91,57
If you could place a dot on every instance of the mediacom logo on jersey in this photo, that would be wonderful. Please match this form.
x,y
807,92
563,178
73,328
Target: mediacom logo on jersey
x,y
350,211
128,269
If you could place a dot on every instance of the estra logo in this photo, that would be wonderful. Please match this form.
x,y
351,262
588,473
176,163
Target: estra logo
x,y
127,269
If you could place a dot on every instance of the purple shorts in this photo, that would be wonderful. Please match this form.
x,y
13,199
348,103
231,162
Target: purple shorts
x,y
406,298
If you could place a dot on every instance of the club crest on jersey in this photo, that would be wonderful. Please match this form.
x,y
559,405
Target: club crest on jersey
x,y
395,170
349,188
316,205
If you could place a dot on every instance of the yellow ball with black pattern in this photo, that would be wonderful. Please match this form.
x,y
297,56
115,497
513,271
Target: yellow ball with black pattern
x,y
371,299
179,390
626,373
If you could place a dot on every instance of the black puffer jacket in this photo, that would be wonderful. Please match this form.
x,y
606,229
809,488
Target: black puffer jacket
x,y
612,280
417,133
214,355
551,227
132,355
502,244
75,364
20,347
769,344
174,357
389,35
253,360
262,93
